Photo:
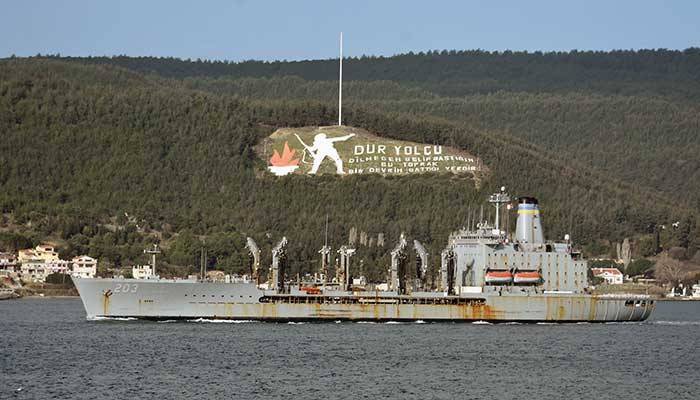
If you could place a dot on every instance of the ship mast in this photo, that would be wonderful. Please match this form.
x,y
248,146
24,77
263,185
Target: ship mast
x,y
153,252
497,199
325,256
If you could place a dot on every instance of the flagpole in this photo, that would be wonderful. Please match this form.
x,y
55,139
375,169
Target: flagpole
x,y
340,84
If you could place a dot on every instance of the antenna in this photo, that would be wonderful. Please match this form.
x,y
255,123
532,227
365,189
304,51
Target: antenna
x,y
340,84
325,243
203,264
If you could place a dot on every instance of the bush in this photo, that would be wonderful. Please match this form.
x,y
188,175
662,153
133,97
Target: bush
x,y
639,267
60,279
602,264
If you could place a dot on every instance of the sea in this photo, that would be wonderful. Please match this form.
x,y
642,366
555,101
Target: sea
x,y
50,351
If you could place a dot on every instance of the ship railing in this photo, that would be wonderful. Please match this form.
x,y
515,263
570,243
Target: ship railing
x,y
625,296
452,300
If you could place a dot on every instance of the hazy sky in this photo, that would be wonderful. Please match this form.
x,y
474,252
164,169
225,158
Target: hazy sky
x,y
298,29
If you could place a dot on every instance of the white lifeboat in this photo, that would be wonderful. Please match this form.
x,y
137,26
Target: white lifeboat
x,y
527,277
498,277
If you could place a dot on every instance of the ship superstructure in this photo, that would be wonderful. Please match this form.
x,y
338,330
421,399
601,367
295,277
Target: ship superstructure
x,y
485,275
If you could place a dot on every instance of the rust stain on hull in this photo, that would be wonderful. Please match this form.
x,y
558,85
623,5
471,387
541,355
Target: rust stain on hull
x,y
105,304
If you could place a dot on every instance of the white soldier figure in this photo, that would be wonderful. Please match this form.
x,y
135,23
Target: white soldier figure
x,y
323,147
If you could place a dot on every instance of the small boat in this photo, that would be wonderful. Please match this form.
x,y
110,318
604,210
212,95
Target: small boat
x,y
498,277
6,294
533,277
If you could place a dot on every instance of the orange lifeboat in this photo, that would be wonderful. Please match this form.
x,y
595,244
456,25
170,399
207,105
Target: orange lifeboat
x,y
527,277
498,277
311,290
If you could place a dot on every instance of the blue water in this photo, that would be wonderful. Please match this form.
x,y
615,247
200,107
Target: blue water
x,y
49,351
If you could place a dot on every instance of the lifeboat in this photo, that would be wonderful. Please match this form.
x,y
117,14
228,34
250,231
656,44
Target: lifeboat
x,y
498,277
527,277
311,290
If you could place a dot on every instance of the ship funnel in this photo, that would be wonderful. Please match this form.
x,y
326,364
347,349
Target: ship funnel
x,y
529,228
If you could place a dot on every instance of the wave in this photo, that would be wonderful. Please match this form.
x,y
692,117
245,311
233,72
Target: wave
x,y
221,321
481,323
678,323
111,319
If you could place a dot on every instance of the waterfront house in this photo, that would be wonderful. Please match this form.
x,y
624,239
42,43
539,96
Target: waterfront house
x,y
84,267
38,263
8,262
696,291
612,276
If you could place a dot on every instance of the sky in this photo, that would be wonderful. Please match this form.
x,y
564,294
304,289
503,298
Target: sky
x,y
308,29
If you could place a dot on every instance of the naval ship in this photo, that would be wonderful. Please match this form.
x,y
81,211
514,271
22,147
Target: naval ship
x,y
486,274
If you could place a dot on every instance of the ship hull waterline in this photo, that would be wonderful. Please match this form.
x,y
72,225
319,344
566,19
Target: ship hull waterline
x,y
173,300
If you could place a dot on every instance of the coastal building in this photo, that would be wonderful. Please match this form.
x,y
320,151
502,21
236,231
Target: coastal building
x,y
696,291
612,276
38,270
41,252
141,271
84,267
40,262
8,262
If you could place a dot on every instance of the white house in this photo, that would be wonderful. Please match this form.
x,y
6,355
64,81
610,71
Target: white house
x,y
38,270
141,271
8,262
696,291
612,276
39,262
84,267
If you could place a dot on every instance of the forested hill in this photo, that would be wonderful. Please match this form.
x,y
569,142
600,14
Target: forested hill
x,y
459,73
104,160
632,115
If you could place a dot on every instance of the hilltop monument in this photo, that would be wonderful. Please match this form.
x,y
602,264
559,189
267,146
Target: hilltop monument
x,y
323,147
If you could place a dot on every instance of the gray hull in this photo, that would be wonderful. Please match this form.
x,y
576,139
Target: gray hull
x,y
167,299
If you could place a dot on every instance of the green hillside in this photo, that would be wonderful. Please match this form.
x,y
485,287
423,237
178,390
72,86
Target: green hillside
x,y
85,144
632,115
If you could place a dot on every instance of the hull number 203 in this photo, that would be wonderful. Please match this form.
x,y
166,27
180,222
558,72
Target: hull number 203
x,y
126,288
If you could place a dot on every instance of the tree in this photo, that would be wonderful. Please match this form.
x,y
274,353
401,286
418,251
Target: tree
x,y
668,270
639,267
59,279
